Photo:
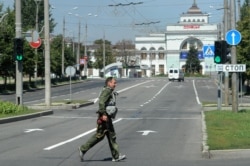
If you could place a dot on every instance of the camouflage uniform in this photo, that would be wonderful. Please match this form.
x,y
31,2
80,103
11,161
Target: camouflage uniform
x,y
104,128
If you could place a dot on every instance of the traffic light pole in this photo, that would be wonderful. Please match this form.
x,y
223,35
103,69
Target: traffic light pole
x,y
219,91
19,64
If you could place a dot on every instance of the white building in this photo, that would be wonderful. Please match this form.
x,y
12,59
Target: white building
x,y
159,52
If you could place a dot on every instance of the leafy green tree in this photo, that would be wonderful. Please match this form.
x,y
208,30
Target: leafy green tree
x,y
29,23
7,32
243,49
193,62
56,55
29,16
109,57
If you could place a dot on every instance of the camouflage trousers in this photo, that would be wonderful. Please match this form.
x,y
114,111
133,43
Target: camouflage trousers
x,y
103,129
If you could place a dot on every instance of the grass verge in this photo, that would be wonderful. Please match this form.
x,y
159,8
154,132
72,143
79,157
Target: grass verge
x,y
228,130
64,102
29,111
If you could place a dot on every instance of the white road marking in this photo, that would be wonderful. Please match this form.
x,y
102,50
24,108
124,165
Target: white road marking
x,y
96,99
146,132
31,130
196,93
156,94
74,138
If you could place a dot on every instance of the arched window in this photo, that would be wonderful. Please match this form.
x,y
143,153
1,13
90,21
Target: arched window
x,y
161,53
191,42
152,53
143,54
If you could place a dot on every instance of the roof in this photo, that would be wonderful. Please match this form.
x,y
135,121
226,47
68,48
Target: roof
x,y
194,9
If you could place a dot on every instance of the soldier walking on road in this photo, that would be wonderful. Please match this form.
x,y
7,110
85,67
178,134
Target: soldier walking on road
x,y
107,111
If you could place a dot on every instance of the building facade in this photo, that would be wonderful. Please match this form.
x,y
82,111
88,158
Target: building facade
x,y
159,52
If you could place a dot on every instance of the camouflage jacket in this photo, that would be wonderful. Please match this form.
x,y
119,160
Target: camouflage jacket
x,y
106,98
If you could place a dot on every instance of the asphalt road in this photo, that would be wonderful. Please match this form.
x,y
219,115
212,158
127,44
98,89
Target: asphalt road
x,y
158,123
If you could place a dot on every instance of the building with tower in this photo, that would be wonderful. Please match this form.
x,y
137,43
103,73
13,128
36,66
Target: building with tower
x,y
159,52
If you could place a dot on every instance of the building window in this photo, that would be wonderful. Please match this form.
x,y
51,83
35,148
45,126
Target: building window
x,y
161,55
153,70
143,56
152,56
161,69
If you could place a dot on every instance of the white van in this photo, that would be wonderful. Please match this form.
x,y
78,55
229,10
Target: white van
x,y
175,74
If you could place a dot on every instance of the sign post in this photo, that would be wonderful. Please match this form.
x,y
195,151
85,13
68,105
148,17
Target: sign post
x,y
36,44
233,38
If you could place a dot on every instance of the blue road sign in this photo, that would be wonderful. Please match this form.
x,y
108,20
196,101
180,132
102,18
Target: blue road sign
x,y
208,51
233,37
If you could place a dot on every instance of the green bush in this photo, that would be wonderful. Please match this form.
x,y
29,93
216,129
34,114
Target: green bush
x,y
10,108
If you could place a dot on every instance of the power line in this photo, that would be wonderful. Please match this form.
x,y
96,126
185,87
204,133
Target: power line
x,y
126,4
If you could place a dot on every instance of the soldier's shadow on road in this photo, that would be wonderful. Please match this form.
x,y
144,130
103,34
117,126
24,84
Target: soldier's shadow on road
x,y
105,159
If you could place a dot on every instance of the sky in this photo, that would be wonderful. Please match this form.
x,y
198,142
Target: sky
x,y
119,20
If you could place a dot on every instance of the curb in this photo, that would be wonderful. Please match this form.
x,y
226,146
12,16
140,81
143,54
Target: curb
x,y
69,106
24,117
205,148
208,154
41,113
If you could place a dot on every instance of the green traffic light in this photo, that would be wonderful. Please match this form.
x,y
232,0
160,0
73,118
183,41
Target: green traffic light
x,y
217,59
19,57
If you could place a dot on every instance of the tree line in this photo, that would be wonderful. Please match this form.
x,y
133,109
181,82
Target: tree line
x,y
7,35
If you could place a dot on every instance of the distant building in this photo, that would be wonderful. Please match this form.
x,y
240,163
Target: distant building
x,y
159,52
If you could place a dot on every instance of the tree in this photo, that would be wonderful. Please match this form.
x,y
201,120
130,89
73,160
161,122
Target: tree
x,y
193,62
29,23
56,55
29,16
7,32
109,57
243,49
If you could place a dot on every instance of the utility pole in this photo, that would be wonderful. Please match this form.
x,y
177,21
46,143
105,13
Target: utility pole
x,y
239,13
19,64
234,60
63,41
47,54
85,51
103,54
78,48
226,28
37,29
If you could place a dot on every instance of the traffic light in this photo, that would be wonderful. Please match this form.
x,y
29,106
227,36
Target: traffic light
x,y
18,49
220,52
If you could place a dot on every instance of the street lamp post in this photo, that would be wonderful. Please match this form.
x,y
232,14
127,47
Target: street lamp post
x,y
47,54
85,47
103,54
63,41
3,16
37,29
